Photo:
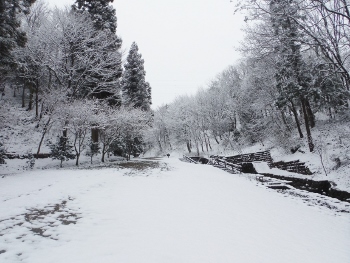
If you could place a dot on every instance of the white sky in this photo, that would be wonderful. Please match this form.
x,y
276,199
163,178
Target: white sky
x,y
185,43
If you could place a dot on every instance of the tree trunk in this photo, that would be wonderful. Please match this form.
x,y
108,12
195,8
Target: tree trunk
x,y
235,121
41,141
206,143
209,142
160,145
30,103
216,139
76,150
197,147
330,112
103,153
23,96
37,99
170,146
307,125
42,136
168,138
296,119
50,79
41,111
188,146
284,120
311,116
202,144
77,159
65,131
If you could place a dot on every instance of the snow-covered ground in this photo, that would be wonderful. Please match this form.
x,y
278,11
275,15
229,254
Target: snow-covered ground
x,y
177,212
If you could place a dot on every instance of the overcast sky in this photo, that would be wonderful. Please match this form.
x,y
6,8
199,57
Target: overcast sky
x,y
185,43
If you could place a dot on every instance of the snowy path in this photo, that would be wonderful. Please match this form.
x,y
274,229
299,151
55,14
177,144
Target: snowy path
x,y
192,213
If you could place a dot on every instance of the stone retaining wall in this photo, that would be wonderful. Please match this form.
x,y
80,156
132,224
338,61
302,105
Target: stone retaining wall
x,y
264,156
293,166
320,187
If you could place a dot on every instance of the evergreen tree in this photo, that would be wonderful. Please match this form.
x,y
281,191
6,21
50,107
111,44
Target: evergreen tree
x,y
10,34
136,91
102,13
293,82
127,145
2,153
93,150
31,161
103,16
61,150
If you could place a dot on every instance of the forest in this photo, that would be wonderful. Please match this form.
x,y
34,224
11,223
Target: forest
x,y
65,68
63,78
290,89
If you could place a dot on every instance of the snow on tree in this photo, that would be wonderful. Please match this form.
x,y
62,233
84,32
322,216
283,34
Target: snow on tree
x,y
53,105
103,17
193,122
180,121
92,150
11,35
2,153
264,58
71,57
31,160
101,11
31,71
326,25
118,126
311,41
292,80
136,91
132,135
61,150
82,117
85,61
159,133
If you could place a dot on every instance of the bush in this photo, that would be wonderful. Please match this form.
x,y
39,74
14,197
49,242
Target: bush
x,y
2,153
31,161
93,150
61,150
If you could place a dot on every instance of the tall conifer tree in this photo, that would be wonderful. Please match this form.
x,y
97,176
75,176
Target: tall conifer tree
x,y
104,19
102,13
292,80
136,91
10,34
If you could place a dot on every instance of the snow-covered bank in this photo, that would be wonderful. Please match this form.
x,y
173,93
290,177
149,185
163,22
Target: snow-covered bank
x,y
188,213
